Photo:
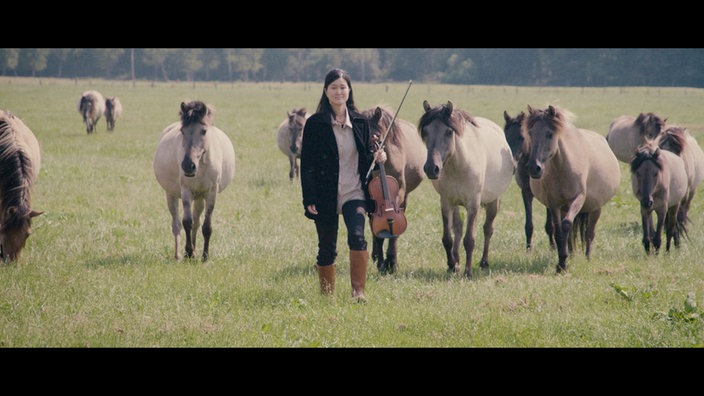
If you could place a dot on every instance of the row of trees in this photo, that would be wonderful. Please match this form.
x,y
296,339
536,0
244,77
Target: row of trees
x,y
483,66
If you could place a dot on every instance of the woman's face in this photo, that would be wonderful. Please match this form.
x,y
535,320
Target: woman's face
x,y
338,92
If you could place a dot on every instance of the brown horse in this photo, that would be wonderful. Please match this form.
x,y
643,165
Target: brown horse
x,y
290,136
91,106
626,133
113,111
469,163
20,160
659,182
572,171
679,141
405,155
521,150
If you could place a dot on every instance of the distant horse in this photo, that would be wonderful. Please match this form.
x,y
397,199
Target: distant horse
x,y
679,141
659,182
91,106
194,162
469,163
290,136
626,133
521,150
405,155
113,111
573,171
20,160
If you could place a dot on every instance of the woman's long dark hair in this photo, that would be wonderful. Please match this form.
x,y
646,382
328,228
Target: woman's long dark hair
x,y
324,104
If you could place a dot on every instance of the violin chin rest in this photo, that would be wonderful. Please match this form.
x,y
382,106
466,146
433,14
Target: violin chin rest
x,y
386,235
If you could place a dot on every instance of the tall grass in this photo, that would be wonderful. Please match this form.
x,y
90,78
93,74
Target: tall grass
x,y
98,269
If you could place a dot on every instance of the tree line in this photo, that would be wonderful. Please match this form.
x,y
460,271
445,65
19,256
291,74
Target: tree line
x,y
567,67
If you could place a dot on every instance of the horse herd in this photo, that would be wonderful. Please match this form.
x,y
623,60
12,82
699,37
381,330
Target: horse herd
x,y
92,106
469,160
572,171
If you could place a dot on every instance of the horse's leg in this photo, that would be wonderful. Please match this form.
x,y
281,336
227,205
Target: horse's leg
x,y
198,206
187,221
207,223
469,239
550,229
565,228
645,223
390,261
492,209
527,196
292,166
450,219
172,204
588,231
560,243
671,230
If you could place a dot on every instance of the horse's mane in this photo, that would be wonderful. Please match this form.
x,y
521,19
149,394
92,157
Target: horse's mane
x,y
196,111
673,139
557,117
16,168
450,116
384,121
646,152
645,119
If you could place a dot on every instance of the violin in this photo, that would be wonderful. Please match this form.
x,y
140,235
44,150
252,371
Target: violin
x,y
388,220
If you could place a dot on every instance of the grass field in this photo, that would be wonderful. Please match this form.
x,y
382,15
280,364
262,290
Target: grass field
x,y
98,270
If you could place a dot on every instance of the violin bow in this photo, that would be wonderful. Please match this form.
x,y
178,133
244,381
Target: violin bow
x,y
383,139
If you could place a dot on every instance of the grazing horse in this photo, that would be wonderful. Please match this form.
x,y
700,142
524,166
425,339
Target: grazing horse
x,y
469,163
290,136
659,182
521,150
194,162
679,141
20,159
113,111
626,133
405,157
573,171
91,106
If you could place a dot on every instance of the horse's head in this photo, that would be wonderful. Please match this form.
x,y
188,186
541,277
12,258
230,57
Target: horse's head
x,y
196,118
512,131
15,228
542,130
438,127
296,123
646,167
650,125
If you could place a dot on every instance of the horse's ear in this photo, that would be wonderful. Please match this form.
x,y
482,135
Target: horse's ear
x,y
426,105
551,111
449,106
507,118
377,114
35,213
530,109
183,107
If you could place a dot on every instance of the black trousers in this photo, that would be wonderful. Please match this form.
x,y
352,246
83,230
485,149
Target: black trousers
x,y
354,213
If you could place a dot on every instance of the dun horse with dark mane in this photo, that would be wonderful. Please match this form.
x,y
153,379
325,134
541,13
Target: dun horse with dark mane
x,y
573,172
405,155
20,160
194,162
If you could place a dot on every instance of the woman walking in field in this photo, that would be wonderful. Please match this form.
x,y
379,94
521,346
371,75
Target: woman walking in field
x,y
337,150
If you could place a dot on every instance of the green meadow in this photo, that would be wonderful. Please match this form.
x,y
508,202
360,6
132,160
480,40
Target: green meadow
x,y
98,270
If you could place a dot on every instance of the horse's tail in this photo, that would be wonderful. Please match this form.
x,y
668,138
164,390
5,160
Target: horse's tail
x,y
579,227
682,220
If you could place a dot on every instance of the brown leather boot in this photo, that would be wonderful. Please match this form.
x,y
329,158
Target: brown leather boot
x,y
326,275
358,273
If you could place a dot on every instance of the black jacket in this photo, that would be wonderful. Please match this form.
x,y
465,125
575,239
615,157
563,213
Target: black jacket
x,y
320,163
